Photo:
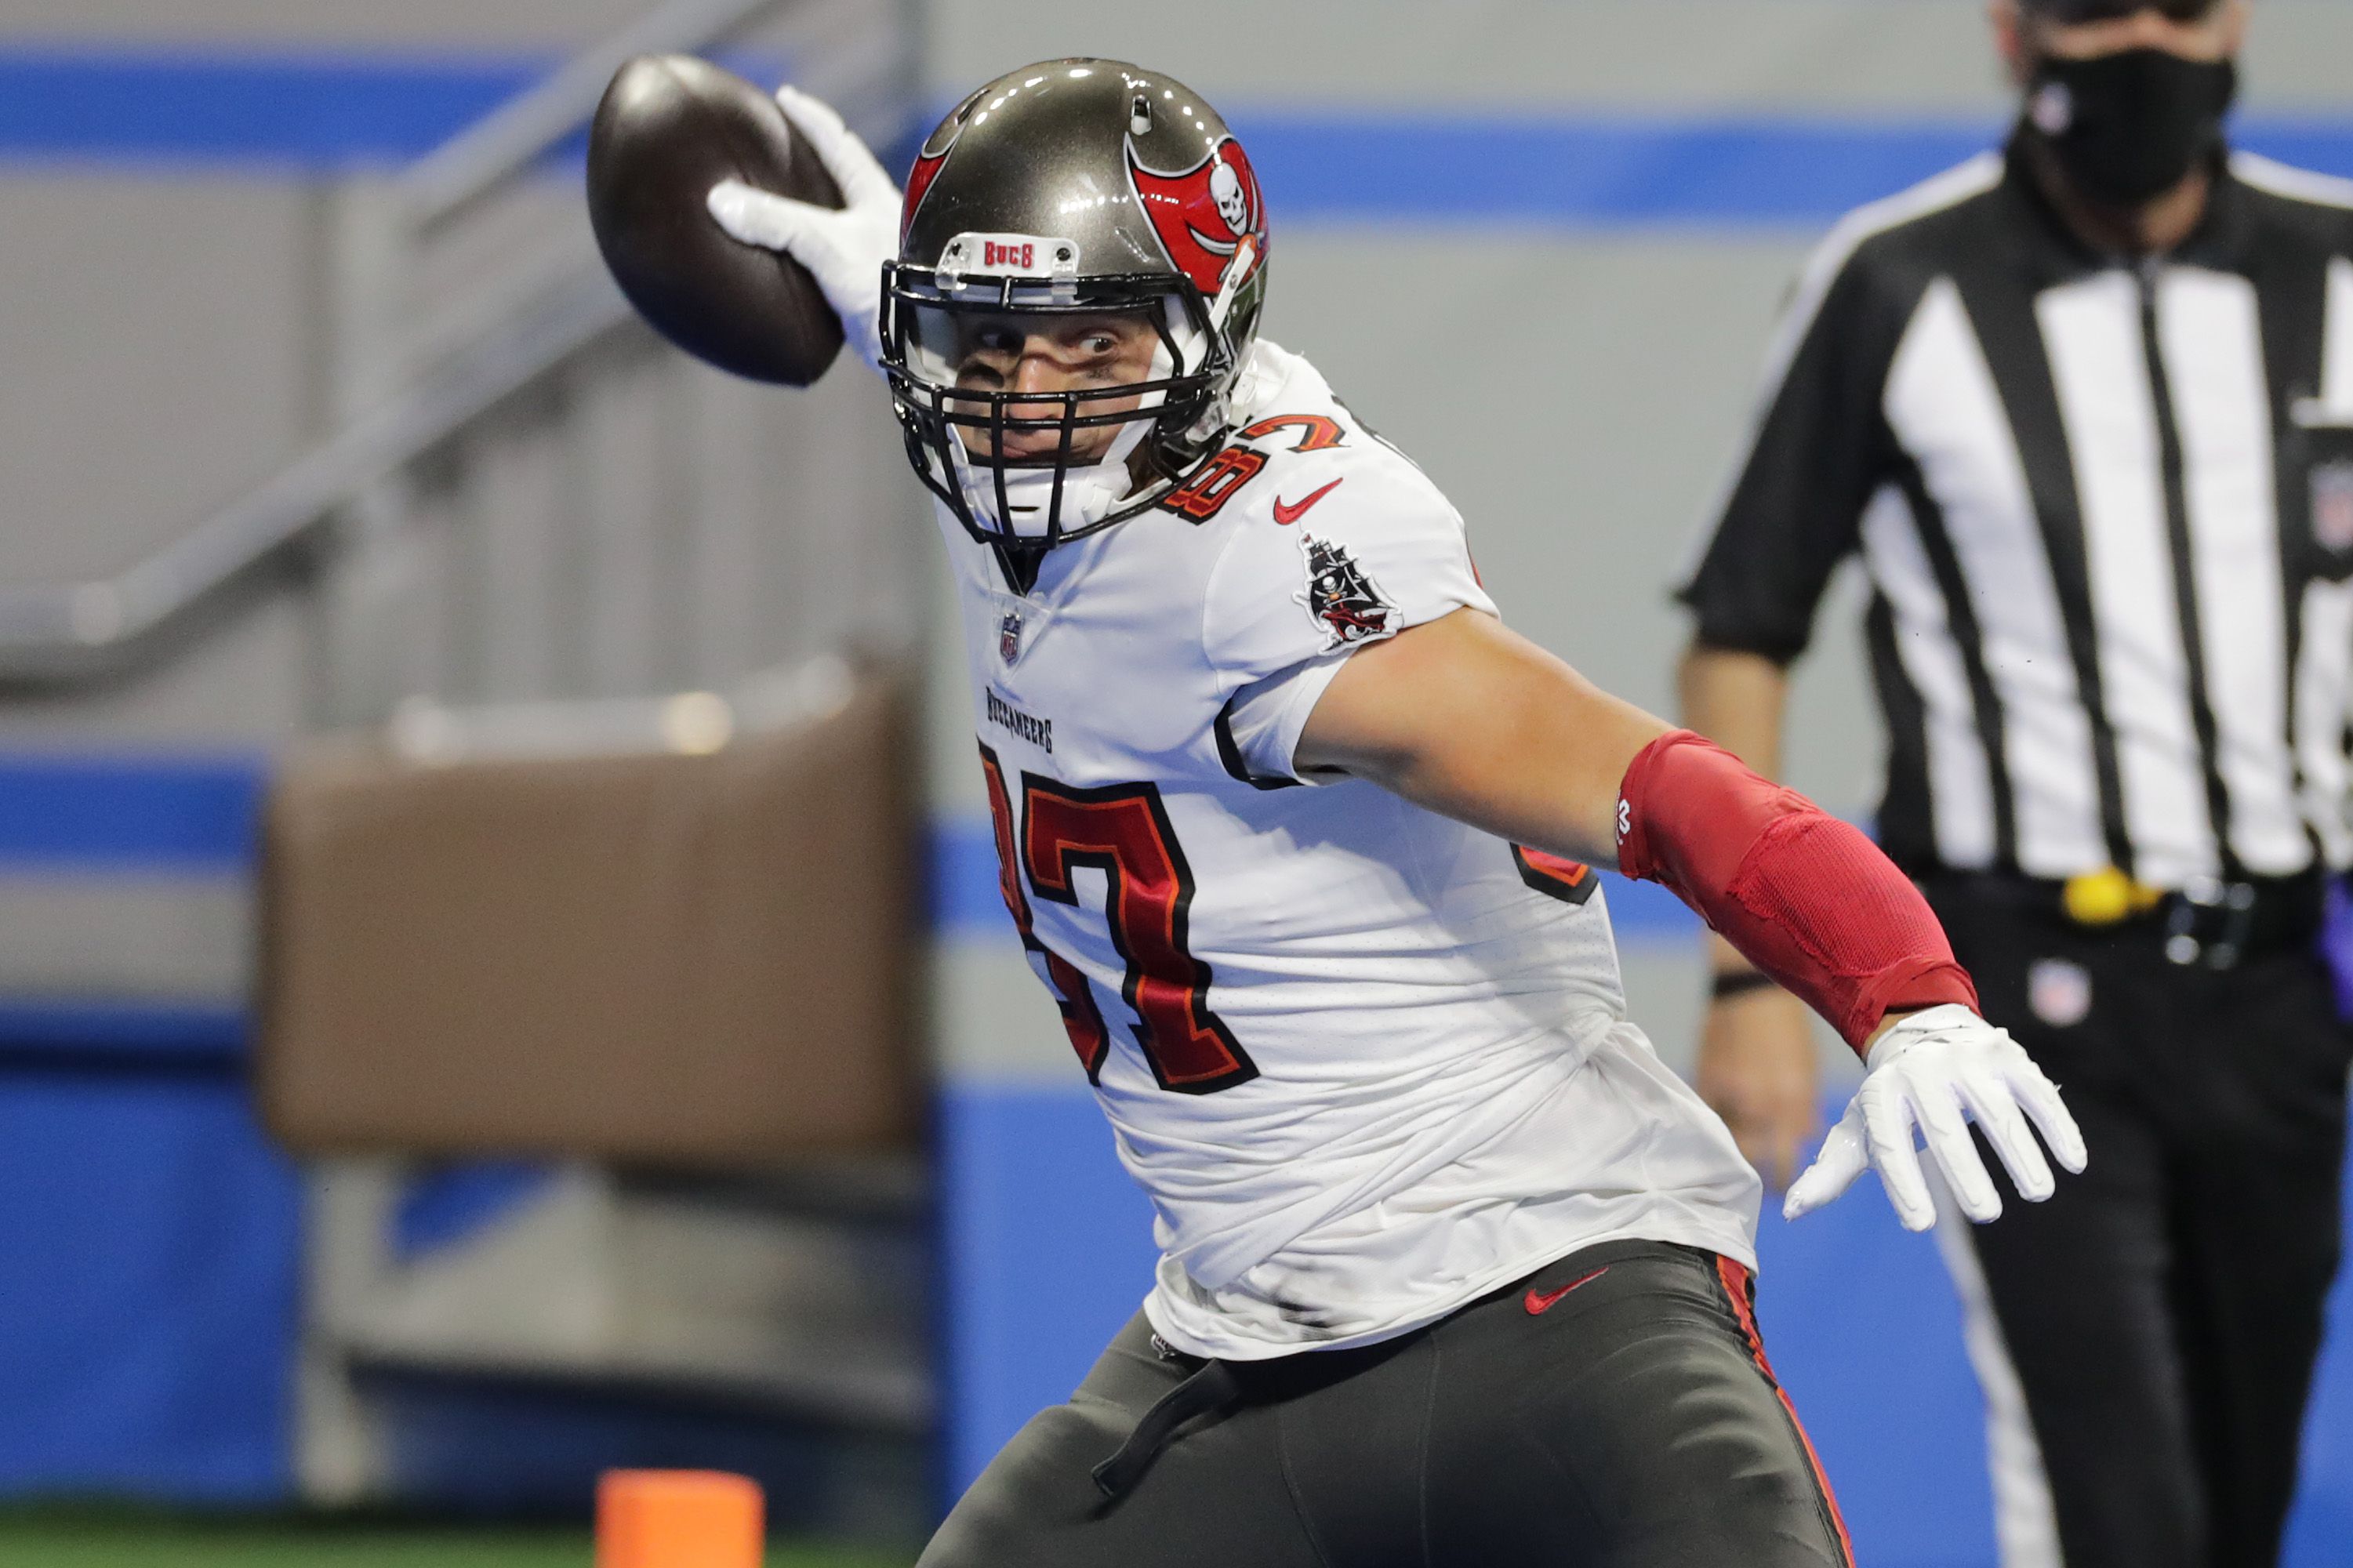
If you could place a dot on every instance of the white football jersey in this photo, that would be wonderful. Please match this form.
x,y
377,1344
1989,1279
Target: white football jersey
x,y
1368,1063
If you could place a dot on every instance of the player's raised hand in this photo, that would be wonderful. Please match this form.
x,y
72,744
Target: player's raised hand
x,y
843,250
1939,1070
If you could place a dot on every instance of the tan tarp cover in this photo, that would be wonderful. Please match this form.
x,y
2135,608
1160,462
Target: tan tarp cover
x,y
695,962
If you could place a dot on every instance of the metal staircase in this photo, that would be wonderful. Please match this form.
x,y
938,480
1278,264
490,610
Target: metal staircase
x,y
525,494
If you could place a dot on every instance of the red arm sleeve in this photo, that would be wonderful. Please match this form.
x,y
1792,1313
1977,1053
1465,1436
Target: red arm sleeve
x,y
1805,897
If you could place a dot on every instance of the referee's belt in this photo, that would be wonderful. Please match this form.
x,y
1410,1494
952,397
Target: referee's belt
x,y
2209,924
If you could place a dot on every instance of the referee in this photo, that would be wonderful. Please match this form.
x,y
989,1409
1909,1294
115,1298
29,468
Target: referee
x,y
2085,408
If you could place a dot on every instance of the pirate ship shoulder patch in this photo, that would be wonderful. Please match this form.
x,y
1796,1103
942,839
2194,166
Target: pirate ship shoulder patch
x,y
1341,598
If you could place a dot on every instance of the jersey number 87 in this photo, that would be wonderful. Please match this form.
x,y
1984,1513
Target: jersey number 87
x,y
1123,831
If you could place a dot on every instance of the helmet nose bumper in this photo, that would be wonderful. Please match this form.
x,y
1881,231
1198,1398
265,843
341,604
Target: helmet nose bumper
x,y
1033,429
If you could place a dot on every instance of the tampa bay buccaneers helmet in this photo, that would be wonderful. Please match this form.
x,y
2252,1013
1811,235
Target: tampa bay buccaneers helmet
x,y
1072,187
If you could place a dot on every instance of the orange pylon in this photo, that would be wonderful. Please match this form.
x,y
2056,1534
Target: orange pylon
x,y
678,1518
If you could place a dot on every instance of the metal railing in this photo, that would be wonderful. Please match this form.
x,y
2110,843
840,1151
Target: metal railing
x,y
67,631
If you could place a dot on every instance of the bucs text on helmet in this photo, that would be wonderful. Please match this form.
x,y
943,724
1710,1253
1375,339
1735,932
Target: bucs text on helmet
x,y
1073,189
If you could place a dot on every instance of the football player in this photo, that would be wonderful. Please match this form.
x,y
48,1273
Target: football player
x,y
1297,834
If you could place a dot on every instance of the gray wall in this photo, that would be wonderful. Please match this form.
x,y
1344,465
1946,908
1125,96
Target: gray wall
x,y
530,26
144,381
1903,56
171,338
163,346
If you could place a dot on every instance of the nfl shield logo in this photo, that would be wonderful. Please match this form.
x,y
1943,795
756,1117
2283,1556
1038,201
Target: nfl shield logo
x,y
2059,991
1008,637
2332,505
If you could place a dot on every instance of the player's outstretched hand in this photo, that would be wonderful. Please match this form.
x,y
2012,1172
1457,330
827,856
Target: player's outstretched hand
x,y
1939,1070
843,250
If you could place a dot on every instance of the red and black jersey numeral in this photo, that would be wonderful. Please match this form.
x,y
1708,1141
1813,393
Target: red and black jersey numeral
x,y
1123,832
1203,495
1570,881
1316,434
1081,1019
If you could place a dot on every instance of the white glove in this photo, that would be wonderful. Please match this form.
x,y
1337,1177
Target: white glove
x,y
1940,1070
843,250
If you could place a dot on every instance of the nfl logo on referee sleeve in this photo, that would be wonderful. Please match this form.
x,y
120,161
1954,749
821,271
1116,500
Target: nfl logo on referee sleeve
x,y
2332,505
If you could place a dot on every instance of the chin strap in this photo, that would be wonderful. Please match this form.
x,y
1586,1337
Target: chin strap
x,y
1804,896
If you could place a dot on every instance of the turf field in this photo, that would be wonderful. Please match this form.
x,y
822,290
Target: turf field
x,y
70,1541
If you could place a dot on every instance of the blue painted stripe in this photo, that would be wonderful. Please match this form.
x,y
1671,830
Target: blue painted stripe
x,y
967,906
963,900
1646,912
446,1204
284,112
300,111
132,1030
1640,172
172,813
307,112
1580,170
1031,1191
96,816
203,815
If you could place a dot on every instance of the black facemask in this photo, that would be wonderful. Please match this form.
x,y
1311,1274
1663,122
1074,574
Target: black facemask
x,y
2129,127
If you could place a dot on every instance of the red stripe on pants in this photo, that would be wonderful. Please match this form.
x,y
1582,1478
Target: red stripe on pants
x,y
1740,1287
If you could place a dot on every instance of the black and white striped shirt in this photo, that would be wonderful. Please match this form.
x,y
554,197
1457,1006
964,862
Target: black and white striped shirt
x,y
2106,509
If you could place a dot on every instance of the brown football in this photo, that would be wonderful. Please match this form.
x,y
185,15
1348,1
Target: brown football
x,y
668,129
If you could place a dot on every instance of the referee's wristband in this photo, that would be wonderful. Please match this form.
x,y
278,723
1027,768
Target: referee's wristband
x,y
1738,983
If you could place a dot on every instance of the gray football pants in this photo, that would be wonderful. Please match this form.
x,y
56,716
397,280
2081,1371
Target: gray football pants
x,y
1613,1409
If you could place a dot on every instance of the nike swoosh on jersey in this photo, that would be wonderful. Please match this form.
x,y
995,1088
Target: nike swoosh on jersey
x,y
1286,513
1539,1305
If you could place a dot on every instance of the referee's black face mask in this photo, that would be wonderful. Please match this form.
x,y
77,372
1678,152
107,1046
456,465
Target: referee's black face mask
x,y
2128,127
